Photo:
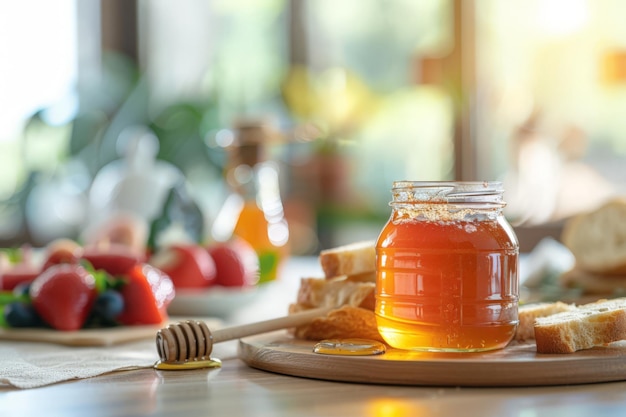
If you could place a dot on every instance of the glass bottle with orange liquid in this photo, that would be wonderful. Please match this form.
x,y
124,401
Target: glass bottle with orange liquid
x,y
254,209
447,268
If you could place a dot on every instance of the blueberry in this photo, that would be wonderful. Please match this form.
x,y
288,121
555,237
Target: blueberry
x,y
108,305
18,314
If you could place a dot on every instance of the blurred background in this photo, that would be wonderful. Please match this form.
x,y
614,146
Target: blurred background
x,y
127,103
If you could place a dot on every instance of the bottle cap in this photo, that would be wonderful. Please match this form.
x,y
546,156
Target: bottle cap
x,y
251,138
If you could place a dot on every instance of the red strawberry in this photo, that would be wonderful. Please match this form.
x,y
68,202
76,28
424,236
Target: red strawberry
x,y
63,296
236,262
189,266
114,259
147,293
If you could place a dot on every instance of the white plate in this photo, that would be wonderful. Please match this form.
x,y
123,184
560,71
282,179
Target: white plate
x,y
216,301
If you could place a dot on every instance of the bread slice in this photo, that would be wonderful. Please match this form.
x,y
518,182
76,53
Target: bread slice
x,y
335,292
598,238
348,284
353,259
528,313
354,314
584,327
342,323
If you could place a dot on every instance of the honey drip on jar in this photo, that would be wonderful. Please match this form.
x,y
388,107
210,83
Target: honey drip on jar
x,y
349,347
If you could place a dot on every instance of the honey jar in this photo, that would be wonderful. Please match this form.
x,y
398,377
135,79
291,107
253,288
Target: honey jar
x,y
447,268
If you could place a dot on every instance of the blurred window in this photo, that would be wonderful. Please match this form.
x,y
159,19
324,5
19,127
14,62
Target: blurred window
x,y
38,49
384,94
552,93
235,51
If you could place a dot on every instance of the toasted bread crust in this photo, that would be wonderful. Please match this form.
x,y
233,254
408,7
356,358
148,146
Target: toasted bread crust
x,y
353,259
345,322
584,327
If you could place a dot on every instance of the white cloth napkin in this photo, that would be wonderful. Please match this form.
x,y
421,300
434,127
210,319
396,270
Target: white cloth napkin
x,y
31,365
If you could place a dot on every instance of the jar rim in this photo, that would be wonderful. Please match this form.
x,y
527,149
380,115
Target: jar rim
x,y
495,186
452,192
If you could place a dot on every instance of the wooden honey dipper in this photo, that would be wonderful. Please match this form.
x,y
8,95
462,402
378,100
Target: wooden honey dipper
x,y
188,344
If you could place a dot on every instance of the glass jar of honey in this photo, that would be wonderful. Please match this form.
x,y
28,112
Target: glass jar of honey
x,y
447,268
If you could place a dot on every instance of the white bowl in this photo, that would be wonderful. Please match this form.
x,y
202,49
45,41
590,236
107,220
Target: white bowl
x,y
216,301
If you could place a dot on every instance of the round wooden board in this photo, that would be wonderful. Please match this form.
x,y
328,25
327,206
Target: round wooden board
x,y
516,365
